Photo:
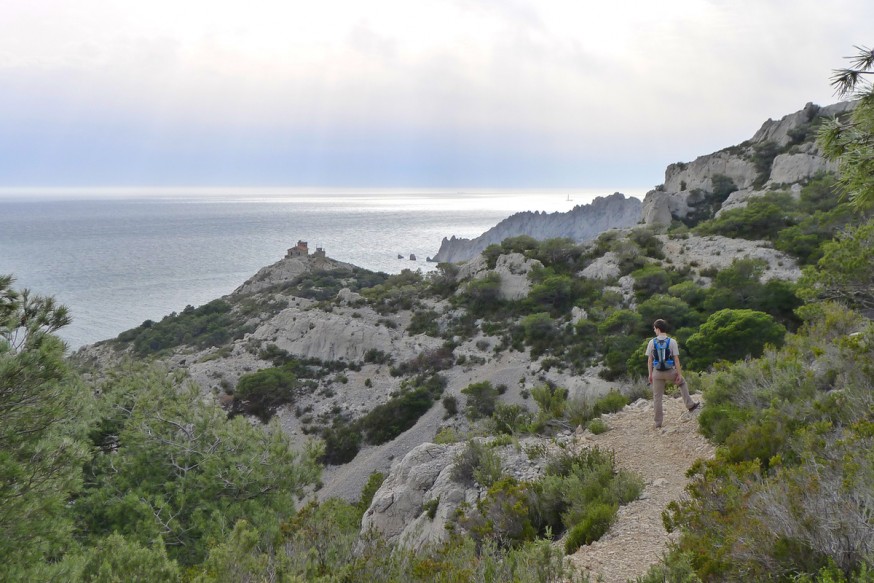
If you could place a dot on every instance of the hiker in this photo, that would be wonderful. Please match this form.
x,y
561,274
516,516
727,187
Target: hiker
x,y
663,363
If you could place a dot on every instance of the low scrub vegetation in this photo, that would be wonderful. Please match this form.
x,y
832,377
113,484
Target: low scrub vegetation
x,y
212,324
384,422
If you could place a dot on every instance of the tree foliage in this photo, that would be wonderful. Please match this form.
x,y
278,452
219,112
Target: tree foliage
x,y
730,335
845,271
170,466
851,141
43,415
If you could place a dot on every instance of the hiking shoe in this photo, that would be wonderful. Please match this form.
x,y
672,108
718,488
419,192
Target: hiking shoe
x,y
693,407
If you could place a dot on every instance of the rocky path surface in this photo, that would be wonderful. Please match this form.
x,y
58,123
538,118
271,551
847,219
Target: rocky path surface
x,y
661,457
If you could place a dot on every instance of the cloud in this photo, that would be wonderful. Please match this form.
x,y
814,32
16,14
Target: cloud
x,y
472,86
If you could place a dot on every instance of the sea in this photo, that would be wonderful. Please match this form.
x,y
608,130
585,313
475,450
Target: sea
x,y
118,257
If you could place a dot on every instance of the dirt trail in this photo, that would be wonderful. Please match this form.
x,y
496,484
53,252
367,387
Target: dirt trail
x,y
661,456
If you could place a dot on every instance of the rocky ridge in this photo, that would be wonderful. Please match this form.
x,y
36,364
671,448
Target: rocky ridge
x,y
780,154
582,223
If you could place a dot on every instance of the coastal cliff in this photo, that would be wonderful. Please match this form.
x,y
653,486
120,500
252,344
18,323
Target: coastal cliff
x,y
582,223
781,154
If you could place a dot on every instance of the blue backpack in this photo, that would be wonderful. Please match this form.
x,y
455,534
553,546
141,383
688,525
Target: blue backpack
x,y
662,359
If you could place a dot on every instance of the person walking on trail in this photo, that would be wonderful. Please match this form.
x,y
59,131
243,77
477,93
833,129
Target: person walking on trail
x,y
663,363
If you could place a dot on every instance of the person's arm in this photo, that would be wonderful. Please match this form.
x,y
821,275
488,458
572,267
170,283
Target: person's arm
x,y
649,366
679,376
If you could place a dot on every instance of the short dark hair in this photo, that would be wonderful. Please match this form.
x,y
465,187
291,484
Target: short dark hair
x,y
661,325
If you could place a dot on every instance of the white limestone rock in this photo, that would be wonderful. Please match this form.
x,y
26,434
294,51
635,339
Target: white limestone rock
x,y
513,269
605,267
800,167
424,476
338,335
582,223
698,174
780,131
796,165
719,252
578,314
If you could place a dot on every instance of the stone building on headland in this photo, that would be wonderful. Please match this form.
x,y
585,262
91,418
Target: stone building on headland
x,y
302,250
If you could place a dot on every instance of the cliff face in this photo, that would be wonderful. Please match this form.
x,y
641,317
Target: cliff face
x,y
781,154
583,223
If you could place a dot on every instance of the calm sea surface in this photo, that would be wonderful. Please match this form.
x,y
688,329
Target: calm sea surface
x,y
116,262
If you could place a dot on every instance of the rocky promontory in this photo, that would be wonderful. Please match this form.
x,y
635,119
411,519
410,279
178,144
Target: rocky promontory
x,y
782,154
582,223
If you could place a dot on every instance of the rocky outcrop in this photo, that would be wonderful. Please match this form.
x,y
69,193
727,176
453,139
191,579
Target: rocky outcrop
x,y
582,223
719,252
287,270
512,269
424,474
781,154
604,267
424,477
337,335
784,131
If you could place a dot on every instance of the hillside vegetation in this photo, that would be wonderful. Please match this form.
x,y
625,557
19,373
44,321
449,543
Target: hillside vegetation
x,y
195,448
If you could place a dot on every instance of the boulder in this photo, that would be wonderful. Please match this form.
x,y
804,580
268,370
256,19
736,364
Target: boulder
x,y
397,510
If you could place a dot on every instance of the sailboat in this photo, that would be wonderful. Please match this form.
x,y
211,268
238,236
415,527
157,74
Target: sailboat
x,y
569,199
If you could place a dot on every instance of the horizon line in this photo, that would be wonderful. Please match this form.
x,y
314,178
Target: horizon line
x,y
145,190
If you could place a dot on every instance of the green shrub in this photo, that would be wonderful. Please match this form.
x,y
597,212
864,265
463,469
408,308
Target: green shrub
x,y
476,462
596,521
578,411
730,335
650,280
450,403
503,515
762,218
446,435
342,442
427,362
597,426
612,402
376,356
551,400
260,393
369,491
573,484
212,324
385,422
430,507
424,322
649,243
482,296
763,158
553,293
481,400
511,419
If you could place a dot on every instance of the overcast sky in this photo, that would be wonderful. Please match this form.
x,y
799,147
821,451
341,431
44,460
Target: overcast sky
x,y
394,93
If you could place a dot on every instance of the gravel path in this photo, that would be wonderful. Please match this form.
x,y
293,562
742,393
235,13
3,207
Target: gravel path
x,y
638,538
